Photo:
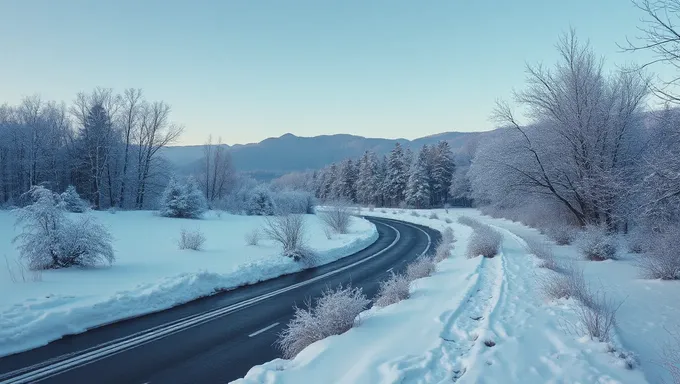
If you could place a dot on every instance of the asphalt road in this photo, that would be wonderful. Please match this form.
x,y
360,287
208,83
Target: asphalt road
x,y
214,339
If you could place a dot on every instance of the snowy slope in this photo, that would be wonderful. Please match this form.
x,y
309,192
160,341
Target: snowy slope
x,y
440,334
150,274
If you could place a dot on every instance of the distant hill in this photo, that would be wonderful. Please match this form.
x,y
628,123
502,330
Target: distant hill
x,y
275,156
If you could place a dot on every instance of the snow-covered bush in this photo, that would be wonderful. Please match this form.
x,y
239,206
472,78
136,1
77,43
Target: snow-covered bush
x,y
596,244
253,237
433,216
543,251
597,315
289,232
423,266
415,214
448,221
193,240
568,283
470,222
561,234
297,202
639,239
485,241
393,290
182,200
661,259
337,217
50,240
448,236
443,249
72,200
335,313
260,202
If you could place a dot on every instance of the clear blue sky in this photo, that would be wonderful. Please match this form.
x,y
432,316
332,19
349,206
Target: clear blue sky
x,y
246,70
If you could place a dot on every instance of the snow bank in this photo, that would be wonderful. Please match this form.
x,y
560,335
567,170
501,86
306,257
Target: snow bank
x,y
475,320
151,273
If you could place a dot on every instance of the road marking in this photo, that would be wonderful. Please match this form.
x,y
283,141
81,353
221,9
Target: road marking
x,y
389,270
45,370
265,329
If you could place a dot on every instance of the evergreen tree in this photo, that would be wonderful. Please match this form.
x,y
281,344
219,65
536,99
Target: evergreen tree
x,y
344,184
365,184
418,187
72,201
442,171
396,175
260,202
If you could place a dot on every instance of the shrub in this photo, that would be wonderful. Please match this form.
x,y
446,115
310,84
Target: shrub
x,y
50,240
543,251
561,234
393,290
433,216
371,208
260,202
336,217
442,252
639,240
470,222
448,236
182,200
253,237
484,241
296,202
193,240
421,267
73,202
448,221
289,232
597,315
19,273
596,244
335,313
661,260
415,214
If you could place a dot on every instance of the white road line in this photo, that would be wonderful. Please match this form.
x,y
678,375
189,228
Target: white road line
x,y
389,270
42,371
265,329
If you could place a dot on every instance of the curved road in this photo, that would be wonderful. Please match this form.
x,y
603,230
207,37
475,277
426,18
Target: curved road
x,y
214,339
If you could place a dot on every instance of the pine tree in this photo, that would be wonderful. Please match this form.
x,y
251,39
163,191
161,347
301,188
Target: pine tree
x,y
72,201
197,204
260,202
418,187
365,180
396,175
344,184
442,172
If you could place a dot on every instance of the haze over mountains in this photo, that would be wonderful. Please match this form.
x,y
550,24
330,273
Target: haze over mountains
x,y
275,156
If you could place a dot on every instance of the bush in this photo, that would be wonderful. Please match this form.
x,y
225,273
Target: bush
x,y
193,240
639,240
260,202
415,214
335,313
182,200
596,244
597,316
336,217
448,237
433,216
73,202
448,221
253,237
484,241
421,267
393,290
296,202
470,222
19,273
661,260
289,232
50,240
443,249
543,251
569,284
561,234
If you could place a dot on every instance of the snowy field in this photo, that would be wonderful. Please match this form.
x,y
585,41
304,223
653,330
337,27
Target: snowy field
x,y
150,273
486,321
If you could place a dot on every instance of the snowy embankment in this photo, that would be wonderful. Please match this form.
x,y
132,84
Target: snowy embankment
x,y
150,274
475,320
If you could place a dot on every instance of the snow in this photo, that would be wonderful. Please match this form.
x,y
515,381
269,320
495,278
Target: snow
x,y
440,334
150,273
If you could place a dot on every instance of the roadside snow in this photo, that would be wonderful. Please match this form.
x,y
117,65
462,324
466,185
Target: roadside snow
x,y
151,273
474,321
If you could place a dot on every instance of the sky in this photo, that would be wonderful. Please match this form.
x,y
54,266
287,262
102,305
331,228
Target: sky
x,y
247,70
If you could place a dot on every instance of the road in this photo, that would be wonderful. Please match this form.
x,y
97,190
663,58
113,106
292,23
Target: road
x,y
214,339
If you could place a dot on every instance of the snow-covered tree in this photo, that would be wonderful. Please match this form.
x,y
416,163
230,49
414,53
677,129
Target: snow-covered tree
x,y
50,240
418,187
344,185
182,200
72,200
369,181
197,204
442,170
396,175
260,202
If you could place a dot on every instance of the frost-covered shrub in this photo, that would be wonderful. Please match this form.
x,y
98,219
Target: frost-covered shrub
x,y
289,232
661,259
561,234
297,202
443,249
433,216
421,267
639,239
50,240
448,221
72,200
596,244
485,241
448,237
393,290
337,217
415,214
570,283
182,200
543,251
597,316
260,202
193,240
253,237
470,222
334,313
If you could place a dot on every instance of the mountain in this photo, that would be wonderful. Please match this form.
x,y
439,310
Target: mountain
x,y
275,156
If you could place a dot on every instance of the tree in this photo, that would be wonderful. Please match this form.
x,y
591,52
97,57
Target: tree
x,y
344,185
396,175
368,180
182,200
130,116
217,171
418,186
72,201
442,172
260,202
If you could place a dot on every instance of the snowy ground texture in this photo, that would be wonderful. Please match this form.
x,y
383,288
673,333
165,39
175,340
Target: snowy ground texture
x,y
486,321
150,274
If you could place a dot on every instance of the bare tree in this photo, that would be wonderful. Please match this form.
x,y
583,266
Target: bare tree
x,y
217,171
130,116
